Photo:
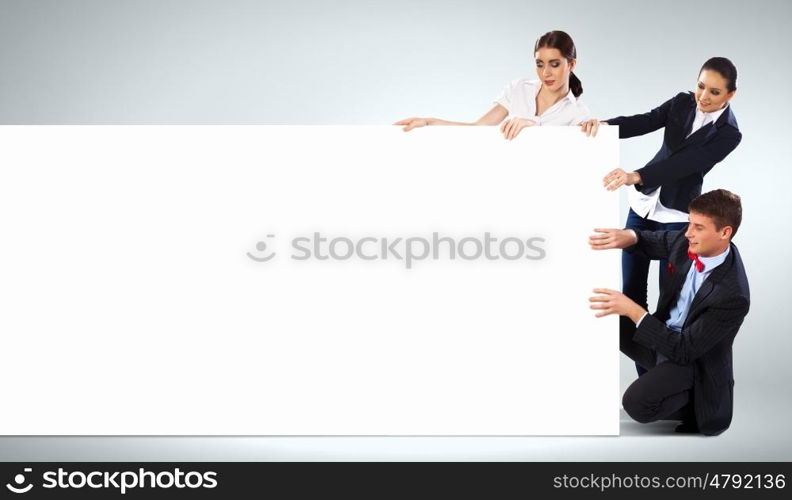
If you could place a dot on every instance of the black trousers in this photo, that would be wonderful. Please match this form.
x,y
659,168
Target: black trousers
x,y
664,392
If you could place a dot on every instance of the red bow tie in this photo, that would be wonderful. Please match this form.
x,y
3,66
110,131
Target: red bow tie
x,y
695,258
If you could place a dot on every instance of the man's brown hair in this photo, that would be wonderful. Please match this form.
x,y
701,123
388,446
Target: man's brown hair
x,y
723,206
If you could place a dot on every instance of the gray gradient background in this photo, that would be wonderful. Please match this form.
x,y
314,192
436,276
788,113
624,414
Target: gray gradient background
x,y
372,62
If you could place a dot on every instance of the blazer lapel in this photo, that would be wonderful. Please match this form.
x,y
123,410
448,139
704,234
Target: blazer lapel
x,y
703,293
700,135
708,286
685,116
677,281
706,132
691,115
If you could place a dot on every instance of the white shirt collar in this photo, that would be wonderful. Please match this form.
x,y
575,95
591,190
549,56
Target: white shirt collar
x,y
711,263
712,116
570,96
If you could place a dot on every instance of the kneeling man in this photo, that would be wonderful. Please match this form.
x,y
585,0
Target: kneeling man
x,y
686,344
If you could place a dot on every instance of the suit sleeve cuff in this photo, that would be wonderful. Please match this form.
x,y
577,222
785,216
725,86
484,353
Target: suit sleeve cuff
x,y
632,248
650,333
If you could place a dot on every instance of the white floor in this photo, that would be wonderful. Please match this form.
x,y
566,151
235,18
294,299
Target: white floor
x,y
759,432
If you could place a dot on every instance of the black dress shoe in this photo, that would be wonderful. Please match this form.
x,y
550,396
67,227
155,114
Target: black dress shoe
x,y
687,428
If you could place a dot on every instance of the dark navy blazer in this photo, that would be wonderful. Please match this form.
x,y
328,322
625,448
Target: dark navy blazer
x,y
681,163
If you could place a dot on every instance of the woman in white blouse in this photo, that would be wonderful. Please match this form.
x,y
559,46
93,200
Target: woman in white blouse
x,y
550,100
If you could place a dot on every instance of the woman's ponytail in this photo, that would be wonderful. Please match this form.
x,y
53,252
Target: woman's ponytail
x,y
574,85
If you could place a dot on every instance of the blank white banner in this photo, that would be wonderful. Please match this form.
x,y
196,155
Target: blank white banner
x,y
290,280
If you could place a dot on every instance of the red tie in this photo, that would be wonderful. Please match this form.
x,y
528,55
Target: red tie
x,y
695,258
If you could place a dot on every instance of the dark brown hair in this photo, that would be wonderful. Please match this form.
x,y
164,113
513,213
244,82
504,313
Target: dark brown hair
x,y
563,42
726,69
723,206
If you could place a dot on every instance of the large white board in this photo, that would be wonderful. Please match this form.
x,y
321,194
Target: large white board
x,y
170,280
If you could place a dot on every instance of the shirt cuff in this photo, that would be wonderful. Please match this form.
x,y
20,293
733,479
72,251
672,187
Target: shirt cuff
x,y
638,323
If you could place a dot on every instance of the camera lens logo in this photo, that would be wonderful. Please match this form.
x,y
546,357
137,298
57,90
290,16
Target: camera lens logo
x,y
19,481
261,247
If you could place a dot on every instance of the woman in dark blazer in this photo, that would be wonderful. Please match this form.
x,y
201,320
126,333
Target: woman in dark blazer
x,y
700,131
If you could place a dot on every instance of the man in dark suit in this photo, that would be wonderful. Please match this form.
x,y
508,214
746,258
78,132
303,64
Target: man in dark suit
x,y
700,130
686,345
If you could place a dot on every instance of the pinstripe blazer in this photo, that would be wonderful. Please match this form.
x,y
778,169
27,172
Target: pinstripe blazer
x,y
714,317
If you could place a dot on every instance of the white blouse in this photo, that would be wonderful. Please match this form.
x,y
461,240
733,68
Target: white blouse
x,y
519,99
